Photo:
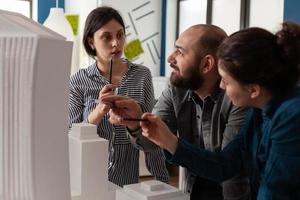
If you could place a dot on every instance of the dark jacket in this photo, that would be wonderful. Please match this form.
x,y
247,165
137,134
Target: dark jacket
x,y
268,147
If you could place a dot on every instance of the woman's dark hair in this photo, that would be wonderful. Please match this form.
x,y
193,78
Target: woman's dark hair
x,y
255,55
95,20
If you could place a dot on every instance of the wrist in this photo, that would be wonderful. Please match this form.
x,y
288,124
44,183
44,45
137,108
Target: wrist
x,y
172,144
100,111
95,116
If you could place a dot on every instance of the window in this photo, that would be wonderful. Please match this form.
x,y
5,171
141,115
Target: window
x,y
19,6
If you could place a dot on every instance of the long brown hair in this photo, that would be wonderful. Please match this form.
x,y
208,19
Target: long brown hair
x,y
255,55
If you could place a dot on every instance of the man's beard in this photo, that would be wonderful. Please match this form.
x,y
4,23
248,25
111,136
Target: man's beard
x,y
193,79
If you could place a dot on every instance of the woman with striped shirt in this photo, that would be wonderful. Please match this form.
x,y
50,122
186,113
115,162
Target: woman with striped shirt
x,y
104,38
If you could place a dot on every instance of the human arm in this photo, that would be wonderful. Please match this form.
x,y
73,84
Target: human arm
x,y
280,178
102,108
217,166
158,132
76,102
126,107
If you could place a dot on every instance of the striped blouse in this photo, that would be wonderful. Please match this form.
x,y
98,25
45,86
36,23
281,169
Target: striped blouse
x,y
123,166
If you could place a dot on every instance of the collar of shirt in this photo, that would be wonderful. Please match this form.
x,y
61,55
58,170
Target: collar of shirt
x,y
271,107
214,96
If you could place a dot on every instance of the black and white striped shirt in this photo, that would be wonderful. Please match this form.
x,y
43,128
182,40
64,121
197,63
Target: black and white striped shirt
x,y
123,166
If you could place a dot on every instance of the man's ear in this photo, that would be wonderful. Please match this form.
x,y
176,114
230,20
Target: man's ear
x,y
254,90
208,63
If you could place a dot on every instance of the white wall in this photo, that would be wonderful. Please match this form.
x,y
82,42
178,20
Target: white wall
x,y
143,21
82,8
267,14
191,12
226,14
22,7
171,26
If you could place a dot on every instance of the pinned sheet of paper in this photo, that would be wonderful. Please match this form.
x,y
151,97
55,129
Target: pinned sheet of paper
x,y
74,22
133,49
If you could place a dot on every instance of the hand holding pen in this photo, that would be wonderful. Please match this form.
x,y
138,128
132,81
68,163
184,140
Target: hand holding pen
x,y
125,111
158,132
101,108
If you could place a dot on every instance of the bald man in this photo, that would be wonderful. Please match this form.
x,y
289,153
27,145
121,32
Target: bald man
x,y
197,110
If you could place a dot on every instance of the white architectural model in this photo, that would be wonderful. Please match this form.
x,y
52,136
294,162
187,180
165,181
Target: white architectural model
x,y
88,164
150,190
34,75
89,173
